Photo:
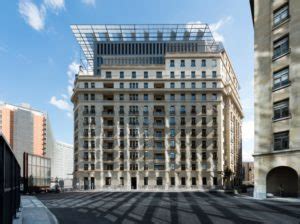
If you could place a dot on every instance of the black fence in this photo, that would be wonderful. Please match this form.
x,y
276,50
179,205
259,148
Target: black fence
x,y
9,183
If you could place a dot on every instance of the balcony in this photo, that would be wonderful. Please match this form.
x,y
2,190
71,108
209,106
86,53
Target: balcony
x,y
134,123
159,124
108,135
133,112
172,112
107,113
193,112
108,97
158,113
108,123
159,97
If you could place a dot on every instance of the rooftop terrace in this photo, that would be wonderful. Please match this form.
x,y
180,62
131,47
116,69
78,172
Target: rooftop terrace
x,y
87,35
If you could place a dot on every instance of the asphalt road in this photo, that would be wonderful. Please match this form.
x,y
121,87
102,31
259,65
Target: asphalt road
x,y
164,207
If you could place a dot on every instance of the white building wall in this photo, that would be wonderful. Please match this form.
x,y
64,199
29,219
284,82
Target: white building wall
x,y
62,161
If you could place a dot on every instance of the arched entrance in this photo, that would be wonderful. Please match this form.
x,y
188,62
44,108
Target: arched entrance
x,y
282,181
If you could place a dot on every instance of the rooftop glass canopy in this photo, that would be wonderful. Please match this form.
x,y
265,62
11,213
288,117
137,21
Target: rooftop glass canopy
x,y
87,35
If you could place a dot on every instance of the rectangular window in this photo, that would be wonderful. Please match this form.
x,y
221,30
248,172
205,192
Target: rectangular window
x,y
203,85
121,75
214,63
182,75
133,75
159,181
145,181
158,75
215,181
204,182
107,181
172,85
108,75
203,63
146,85
203,74
203,97
172,97
172,181
146,76
193,63
193,97
121,85
193,74
146,97
281,78
183,181
193,85
281,47
172,63
194,181
214,74
182,96
281,14
182,63
281,140
214,85
214,96
172,75
281,109
182,85
203,155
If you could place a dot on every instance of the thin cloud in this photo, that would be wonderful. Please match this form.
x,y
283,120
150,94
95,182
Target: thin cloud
x,y
60,104
89,2
63,103
215,27
32,14
54,4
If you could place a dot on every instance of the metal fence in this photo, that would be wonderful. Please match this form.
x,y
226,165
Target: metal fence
x,y
9,183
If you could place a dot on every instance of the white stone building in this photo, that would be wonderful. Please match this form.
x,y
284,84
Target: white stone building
x,y
160,109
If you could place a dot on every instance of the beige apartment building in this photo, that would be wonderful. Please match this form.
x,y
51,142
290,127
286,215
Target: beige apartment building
x,y
277,97
26,130
160,109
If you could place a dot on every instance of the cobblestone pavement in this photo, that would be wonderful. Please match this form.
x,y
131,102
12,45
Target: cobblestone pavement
x,y
167,207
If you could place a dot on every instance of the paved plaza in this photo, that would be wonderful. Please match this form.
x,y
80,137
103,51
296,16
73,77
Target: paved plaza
x,y
167,207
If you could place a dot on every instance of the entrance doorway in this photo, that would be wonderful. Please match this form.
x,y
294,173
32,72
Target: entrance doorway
x,y
86,183
92,183
133,183
283,182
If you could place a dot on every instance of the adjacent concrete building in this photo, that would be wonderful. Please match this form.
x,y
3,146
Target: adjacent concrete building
x,y
277,97
27,130
63,161
160,109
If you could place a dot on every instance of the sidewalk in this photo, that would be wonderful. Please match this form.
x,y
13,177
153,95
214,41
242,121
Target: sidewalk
x,y
33,211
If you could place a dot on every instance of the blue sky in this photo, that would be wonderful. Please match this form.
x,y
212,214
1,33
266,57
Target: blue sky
x,y
39,55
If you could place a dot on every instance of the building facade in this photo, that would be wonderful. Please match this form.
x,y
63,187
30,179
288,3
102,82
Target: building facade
x,y
159,110
277,91
27,130
63,161
248,173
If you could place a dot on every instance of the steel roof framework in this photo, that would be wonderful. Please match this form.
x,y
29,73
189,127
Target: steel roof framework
x,y
87,35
